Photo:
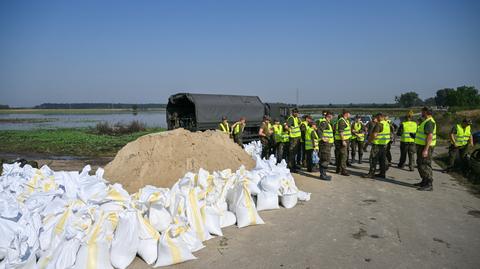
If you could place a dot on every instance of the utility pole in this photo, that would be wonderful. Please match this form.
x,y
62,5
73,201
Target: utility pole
x,y
297,96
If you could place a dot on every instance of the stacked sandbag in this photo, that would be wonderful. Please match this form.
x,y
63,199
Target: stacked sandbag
x,y
66,219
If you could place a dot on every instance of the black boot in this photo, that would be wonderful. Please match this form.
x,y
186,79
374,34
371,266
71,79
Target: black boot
x,y
323,174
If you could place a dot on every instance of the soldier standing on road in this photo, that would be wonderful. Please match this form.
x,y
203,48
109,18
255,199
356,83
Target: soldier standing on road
x,y
407,131
425,139
388,149
224,126
238,128
285,142
311,144
379,138
370,125
293,125
358,138
278,140
303,129
342,136
325,132
460,139
265,133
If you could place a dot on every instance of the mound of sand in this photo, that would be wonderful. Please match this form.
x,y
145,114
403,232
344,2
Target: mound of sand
x,y
160,159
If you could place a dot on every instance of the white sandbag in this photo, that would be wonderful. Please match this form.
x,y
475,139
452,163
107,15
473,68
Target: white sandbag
x,y
147,247
125,242
64,255
227,219
95,255
172,250
159,217
245,210
271,183
303,196
194,215
267,201
289,200
213,220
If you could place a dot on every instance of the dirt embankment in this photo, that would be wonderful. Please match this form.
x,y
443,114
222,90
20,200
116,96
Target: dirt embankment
x,y
160,159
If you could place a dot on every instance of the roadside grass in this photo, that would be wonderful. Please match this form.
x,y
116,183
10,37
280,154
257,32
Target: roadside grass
x,y
71,142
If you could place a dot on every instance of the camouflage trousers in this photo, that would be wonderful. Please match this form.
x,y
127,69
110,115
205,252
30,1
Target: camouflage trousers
x,y
457,157
378,156
293,150
425,164
266,147
407,149
356,145
341,156
325,154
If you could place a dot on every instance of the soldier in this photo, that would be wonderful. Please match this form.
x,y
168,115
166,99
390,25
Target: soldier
x,y
325,132
460,139
265,133
370,125
293,127
342,136
358,138
388,152
311,144
425,139
303,129
285,142
278,140
224,126
407,131
238,128
379,138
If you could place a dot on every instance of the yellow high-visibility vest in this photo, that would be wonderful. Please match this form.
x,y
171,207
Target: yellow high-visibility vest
x,y
409,127
421,137
223,128
358,126
462,136
383,137
295,129
308,139
278,132
237,129
347,132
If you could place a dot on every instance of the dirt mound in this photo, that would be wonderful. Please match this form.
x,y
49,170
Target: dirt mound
x,y
160,159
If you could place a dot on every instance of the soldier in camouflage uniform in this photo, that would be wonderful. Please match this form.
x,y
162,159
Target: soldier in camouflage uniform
x,y
265,133
425,140
325,132
342,137
378,138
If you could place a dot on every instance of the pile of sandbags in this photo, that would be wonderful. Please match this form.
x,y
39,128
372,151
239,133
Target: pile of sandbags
x,y
65,219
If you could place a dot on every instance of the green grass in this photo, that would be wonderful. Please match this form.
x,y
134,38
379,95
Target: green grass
x,y
73,142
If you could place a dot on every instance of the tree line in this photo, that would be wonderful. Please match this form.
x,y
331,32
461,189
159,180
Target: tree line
x,y
98,106
463,96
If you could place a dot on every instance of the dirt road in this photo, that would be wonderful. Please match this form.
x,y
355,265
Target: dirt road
x,y
353,222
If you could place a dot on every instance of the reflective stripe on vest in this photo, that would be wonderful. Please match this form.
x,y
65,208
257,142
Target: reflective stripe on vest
x,y
308,139
421,137
328,133
286,137
462,136
295,129
278,132
347,133
236,130
409,127
225,129
383,137
358,127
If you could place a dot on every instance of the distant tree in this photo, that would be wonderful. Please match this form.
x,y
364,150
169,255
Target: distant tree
x,y
430,101
134,107
408,99
441,97
4,107
463,96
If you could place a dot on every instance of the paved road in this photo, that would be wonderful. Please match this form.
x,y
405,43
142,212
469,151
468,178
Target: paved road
x,y
353,222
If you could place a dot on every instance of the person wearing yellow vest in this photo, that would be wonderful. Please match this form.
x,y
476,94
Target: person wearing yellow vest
x,y
278,140
311,144
265,132
425,140
460,139
325,133
303,129
358,139
342,136
379,138
237,131
293,127
224,126
406,132
388,148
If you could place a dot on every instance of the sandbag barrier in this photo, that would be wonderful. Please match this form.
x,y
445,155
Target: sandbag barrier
x,y
68,219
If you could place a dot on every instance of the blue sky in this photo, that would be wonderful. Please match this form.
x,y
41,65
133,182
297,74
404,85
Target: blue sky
x,y
143,51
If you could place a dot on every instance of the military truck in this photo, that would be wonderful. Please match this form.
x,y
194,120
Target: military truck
x,y
200,112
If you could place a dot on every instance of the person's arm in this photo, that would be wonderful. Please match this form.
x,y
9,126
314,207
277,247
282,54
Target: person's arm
x,y
470,140
312,137
261,132
429,127
400,130
452,136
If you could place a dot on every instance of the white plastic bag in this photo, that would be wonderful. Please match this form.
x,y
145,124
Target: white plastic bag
x,y
159,217
267,201
289,200
125,242
172,250
147,247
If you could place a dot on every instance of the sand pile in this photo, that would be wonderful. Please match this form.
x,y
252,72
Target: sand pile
x,y
160,159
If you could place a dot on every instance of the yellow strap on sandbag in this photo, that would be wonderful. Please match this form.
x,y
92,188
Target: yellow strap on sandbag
x,y
61,223
197,218
249,204
174,250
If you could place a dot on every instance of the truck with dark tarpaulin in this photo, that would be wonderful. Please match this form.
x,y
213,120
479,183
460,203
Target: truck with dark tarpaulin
x,y
200,112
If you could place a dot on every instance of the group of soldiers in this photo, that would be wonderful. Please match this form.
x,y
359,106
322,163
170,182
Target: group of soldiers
x,y
300,140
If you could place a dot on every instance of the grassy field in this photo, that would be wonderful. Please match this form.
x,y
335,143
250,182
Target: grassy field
x,y
73,111
72,142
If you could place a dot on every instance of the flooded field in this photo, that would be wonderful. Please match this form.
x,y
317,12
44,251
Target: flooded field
x,y
52,120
